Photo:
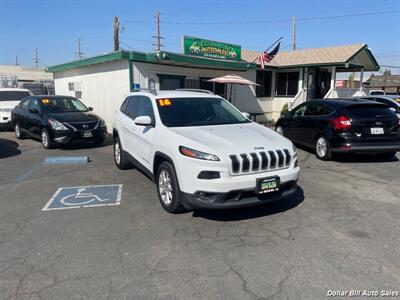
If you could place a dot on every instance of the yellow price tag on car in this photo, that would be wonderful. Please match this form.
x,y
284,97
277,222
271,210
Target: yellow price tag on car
x,y
45,101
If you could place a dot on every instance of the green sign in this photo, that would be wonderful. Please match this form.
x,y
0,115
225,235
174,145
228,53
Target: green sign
x,y
211,49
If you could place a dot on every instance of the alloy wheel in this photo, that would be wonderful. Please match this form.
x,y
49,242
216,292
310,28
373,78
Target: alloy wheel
x,y
322,147
117,153
279,130
165,187
45,139
17,131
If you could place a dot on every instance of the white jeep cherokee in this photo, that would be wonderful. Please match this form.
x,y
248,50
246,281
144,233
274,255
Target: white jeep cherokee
x,y
202,152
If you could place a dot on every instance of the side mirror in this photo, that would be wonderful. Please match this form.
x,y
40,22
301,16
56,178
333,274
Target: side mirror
x,y
90,108
34,111
246,115
143,121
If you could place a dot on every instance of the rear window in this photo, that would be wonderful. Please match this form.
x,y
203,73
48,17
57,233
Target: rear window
x,y
13,95
363,111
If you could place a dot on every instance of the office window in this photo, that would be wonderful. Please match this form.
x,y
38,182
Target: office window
x,y
287,83
264,79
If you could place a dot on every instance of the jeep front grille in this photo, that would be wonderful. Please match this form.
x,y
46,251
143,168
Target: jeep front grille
x,y
263,161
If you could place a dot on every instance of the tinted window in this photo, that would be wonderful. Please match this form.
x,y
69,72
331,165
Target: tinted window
x,y
25,104
132,109
198,112
368,111
298,112
13,95
62,105
34,104
124,105
146,109
318,109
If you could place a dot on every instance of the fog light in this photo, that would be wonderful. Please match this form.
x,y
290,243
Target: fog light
x,y
208,175
60,139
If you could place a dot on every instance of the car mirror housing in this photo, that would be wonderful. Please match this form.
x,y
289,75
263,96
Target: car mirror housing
x,y
143,121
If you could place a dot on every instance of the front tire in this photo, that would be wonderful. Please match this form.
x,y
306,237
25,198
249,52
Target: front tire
x,y
45,138
322,148
279,129
168,189
18,133
120,156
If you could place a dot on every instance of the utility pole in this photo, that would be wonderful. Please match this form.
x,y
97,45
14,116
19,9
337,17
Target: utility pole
x,y
16,60
79,53
294,33
116,34
158,36
36,59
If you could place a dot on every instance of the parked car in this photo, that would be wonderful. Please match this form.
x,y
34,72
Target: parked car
x,y
393,101
202,152
342,126
377,92
9,98
57,120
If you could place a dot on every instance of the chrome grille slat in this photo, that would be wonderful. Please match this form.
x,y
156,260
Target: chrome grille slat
x,y
263,161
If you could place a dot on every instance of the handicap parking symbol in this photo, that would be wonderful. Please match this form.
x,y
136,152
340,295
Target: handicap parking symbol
x,y
85,196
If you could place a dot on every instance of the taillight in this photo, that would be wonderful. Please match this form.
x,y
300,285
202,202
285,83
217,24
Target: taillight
x,y
341,123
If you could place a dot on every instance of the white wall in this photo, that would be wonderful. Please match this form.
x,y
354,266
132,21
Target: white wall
x,y
243,97
104,86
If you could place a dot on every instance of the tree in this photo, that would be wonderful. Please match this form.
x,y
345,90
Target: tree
x,y
387,72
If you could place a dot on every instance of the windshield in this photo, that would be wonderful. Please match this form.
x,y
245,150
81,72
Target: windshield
x,y
63,105
13,95
180,112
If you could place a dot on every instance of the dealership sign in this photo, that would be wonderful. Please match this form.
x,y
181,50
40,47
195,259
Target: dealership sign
x,y
211,49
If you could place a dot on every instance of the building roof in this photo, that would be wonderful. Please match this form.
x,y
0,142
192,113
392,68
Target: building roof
x,y
162,57
26,73
357,55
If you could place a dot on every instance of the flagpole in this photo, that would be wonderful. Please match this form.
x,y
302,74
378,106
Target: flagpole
x,y
277,41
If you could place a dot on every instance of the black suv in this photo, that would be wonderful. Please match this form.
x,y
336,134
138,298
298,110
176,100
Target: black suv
x,y
342,126
57,120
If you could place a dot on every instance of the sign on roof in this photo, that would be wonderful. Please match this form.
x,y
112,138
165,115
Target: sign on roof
x,y
211,49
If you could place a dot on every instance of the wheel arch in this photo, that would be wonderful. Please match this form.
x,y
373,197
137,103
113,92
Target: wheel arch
x,y
159,158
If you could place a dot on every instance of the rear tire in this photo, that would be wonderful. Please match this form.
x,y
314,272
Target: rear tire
x,y
45,138
120,156
322,148
17,129
387,155
168,189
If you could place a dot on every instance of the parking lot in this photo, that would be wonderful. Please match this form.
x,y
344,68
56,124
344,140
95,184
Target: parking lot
x,y
339,232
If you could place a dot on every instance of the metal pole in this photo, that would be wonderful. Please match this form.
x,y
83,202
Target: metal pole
x,y
294,33
116,34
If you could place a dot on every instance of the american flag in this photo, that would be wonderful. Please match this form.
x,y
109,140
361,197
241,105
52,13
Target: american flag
x,y
267,57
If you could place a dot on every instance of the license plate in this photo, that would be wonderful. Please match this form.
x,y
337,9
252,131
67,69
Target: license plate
x,y
267,185
377,130
87,134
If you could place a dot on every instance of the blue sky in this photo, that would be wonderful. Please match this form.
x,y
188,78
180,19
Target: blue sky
x,y
53,26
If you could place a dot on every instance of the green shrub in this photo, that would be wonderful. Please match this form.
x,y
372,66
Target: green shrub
x,y
285,109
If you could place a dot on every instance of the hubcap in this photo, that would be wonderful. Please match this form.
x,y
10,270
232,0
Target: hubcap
x,y
165,187
45,139
17,132
322,147
117,153
279,130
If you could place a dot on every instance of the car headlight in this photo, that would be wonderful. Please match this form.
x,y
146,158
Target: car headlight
x,y
294,149
56,125
197,154
102,123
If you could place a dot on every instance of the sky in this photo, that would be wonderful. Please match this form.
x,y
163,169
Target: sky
x,y
54,26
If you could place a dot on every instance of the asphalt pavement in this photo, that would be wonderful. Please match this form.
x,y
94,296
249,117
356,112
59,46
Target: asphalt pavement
x,y
339,232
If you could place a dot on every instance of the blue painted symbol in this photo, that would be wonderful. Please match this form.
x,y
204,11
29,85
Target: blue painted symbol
x,y
136,86
85,196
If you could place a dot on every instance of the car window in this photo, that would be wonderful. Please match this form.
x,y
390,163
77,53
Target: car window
x,y
132,109
146,109
299,112
124,105
13,95
25,104
34,104
387,102
311,110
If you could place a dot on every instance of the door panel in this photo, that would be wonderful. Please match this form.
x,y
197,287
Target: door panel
x,y
34,120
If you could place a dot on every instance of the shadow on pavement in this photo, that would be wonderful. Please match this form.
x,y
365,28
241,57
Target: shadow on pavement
x,y
8,148
78,146
253,211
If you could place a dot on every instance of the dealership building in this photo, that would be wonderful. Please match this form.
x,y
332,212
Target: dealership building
x,y
291,78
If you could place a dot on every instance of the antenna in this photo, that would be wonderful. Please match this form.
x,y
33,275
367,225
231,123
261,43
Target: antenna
x,y
79,53
36,59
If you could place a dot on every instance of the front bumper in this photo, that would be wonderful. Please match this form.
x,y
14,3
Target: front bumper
x,y
5,119
236,198
71,137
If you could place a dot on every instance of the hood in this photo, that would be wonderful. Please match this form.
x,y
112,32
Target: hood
x,y
74,117
9,103
234,139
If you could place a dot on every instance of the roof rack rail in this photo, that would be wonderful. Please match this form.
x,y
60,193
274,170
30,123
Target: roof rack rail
x,y
195,90
154,92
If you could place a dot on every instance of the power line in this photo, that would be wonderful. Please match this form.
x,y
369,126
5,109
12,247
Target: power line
x,y
235,22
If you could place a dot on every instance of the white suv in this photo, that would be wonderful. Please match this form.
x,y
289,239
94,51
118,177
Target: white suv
x,y
202,152
9,98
